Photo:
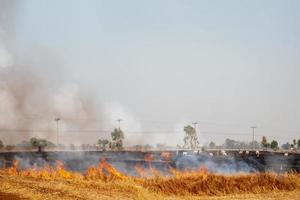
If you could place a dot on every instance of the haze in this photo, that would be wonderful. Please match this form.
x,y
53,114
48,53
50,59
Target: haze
x,y
159,65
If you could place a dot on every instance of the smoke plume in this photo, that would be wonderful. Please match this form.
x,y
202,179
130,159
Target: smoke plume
x,y
33,90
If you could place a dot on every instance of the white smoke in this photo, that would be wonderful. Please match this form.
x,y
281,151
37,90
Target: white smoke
x,y
129,124
6,59
33,91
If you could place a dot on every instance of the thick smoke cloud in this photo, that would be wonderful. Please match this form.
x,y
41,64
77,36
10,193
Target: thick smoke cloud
x,y
33,90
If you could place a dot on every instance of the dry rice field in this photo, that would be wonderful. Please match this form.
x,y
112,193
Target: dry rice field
x,y
105,182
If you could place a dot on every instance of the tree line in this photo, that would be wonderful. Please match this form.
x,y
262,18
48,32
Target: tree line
x,y
190,141
264,144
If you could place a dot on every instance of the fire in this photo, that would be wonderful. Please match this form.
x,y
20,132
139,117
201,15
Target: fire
x,y
196,182
140,171
104,171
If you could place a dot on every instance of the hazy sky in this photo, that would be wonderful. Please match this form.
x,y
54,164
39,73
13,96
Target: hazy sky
x,y
226,64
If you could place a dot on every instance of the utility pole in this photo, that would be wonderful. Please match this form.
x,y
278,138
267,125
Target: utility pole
x,y
119,123
253,127
57,119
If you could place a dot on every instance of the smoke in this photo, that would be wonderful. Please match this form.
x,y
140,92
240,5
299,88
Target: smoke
x,y
6,20
129,123
33,90
223,165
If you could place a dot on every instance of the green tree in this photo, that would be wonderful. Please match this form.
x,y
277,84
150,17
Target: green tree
x,y
274,145
264,142
117,137
103,144
34,142
212,145
190,139
1,145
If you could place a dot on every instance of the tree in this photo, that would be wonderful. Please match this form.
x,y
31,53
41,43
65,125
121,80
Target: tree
x,y
103,144
212,145
1,145
229,144
38,143
298,143
274,145
190,139
294,143
117,137
264,142
34,142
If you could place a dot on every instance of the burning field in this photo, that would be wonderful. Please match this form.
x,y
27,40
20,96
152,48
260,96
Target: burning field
x,y
106,182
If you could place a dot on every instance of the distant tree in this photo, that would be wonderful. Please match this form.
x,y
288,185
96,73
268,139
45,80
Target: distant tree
x,y
34,142
103,144
286,146
50,144
117,137
43,143
190,139
298,143
1,145
212,145
37,142
264,142
254,144
10,147
295,142
274,145
229,144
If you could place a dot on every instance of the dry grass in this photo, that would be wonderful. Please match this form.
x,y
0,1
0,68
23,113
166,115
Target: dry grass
x,y
105,182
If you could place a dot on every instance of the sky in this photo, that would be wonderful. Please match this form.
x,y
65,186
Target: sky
x,y
227,65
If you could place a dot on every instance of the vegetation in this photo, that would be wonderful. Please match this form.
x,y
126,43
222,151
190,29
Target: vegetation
x,y
274,145
117,137
212,145
1,144
190,140
103,144
116,142
37,142
264,142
